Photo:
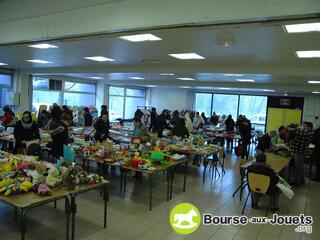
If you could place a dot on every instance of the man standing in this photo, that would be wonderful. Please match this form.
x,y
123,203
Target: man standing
x,y
316,141
299,146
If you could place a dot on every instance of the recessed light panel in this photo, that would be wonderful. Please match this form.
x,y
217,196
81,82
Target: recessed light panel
x,y
315,92
136,78
3,64
233,75
268,90
98,78
186,56
303,27
186,79
245,80
43,46
99,59
166,74
308,54
38,61
185,87
141,37
314,82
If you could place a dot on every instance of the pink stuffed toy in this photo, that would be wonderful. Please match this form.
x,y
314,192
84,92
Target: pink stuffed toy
x,y
44,190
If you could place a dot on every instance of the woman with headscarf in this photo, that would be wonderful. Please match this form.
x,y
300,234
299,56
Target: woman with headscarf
x,y
58,131
25,130
189,124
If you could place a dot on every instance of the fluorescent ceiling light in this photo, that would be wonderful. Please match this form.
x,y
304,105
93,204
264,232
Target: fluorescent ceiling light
x,y
314,82
223,88
99,59
185,87
233,75
150,86
268,90
141,37
43,46
166,74
245,80
186,56
186,79
38,61
137,78
308,54
3,64
314,92
303,27
97,78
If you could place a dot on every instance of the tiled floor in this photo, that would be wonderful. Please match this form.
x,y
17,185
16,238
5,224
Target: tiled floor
x,y
129,217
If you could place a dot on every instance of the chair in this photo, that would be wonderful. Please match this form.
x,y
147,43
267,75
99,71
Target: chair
x,y
19,115
213,166
222,155
34,116
243,183
258,183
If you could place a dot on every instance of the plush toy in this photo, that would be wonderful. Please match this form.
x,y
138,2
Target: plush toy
x,y
94,178
22,166
83,178
44,190
38,174
69,181
16,188
64,171
53,179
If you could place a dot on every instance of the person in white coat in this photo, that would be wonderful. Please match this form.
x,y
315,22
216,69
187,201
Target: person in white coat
x,y
198,121
189,124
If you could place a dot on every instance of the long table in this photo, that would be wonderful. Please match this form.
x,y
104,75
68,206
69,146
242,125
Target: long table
x,y
169,168
25,201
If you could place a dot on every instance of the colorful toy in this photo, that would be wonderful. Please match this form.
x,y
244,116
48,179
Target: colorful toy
x,y
53,179
44,190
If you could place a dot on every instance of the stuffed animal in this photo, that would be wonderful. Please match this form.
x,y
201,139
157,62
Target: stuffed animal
x,y
38,174
16,188
69,181
64,171
53,179
44,190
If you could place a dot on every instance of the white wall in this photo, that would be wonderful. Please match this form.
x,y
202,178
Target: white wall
x,y
168,98
311,107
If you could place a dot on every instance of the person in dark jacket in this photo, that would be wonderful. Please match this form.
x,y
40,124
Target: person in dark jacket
x,y
163,124
104,110
180,130
264,143
8,118
43,119
316,142
25,130
261,167
153,117
87,117
175,118
67,113
102,127
245,133
203,115
229,125
214,119
58,131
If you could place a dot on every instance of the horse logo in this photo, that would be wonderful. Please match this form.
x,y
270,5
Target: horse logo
x,y
188,217
185,218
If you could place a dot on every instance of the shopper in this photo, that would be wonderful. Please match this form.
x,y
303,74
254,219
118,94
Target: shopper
x,y
214,119
66,112
188,121
58,131
140,130
261,167
229,127
8,119
205,120
299,146
43,119
102,127
24,131
87,117
245,133
180,130
175,118
153,124
316,142
198,121
264,143
104,110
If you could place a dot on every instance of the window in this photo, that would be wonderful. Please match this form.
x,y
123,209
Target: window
x,y
5,86
225,104
203,103
48,91
254,107
123,102
79,99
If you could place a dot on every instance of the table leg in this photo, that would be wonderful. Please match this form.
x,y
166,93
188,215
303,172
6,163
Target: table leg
x,y
205,164
88,162
125,180
15,217
83,163
55,204
241,189
185,176
168,183
23,222
171,182
121,179
150,188
67,212
105,199
73,213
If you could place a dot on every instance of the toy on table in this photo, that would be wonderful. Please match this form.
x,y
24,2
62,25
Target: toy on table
x,y
53,179
44,190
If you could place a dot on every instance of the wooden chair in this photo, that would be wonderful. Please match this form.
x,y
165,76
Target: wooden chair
x,y
258,183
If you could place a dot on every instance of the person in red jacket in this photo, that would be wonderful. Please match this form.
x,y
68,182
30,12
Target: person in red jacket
x,y
8,118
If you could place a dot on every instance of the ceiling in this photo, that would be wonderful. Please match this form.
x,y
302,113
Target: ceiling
x,y
260,51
